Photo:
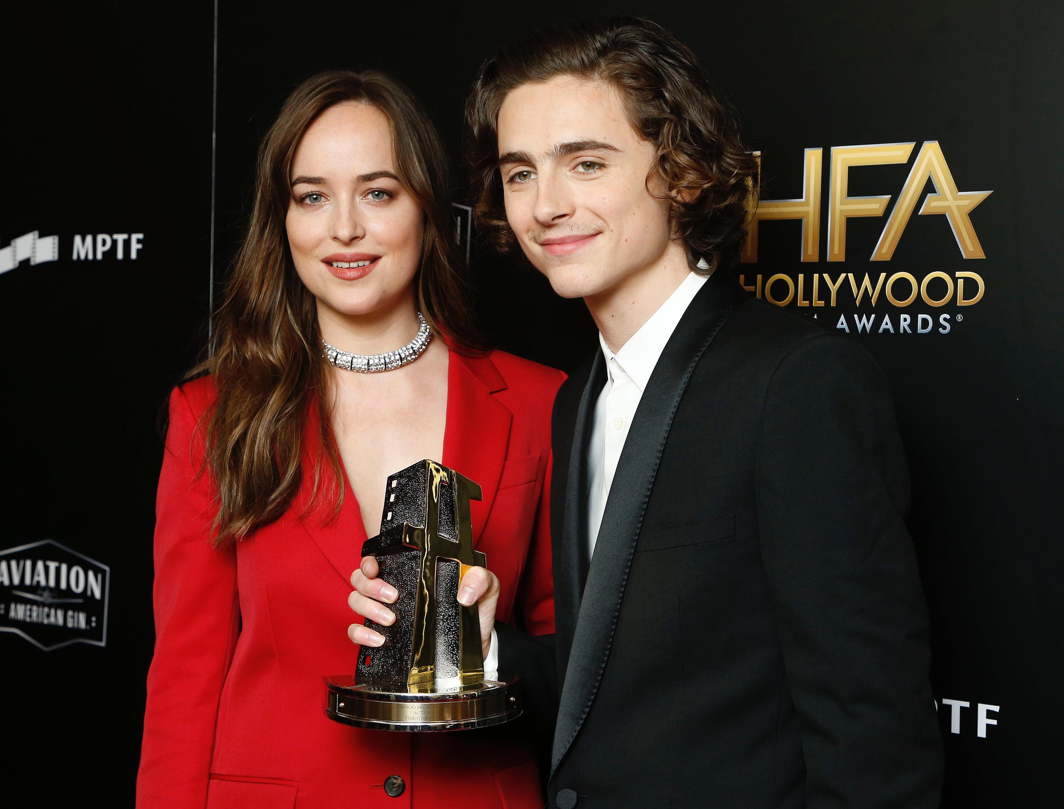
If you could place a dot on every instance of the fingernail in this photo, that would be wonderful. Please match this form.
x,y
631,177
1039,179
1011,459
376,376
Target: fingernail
x,y
374,639
389,593
465,596
385,617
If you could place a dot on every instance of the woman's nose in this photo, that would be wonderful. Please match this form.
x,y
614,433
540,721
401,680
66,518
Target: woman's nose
x,y
346,223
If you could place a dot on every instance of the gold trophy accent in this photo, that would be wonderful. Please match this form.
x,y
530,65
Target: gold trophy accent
x,y
429,674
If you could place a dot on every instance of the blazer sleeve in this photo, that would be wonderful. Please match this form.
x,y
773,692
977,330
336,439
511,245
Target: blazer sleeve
x,y
534,605
196,625
832,492
527,649
536,599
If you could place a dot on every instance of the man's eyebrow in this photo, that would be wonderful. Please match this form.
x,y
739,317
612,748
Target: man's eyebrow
x,y
560,150
515,157
564,149
362,178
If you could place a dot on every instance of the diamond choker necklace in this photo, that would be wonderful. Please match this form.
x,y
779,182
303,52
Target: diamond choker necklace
x,y
388,361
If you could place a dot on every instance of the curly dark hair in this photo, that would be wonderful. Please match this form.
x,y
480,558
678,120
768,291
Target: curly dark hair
x,y
708,174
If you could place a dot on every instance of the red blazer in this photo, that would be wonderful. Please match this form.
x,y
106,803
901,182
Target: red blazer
x,y
244,635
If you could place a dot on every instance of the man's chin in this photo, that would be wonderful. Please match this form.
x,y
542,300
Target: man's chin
x,y
566,292
571,282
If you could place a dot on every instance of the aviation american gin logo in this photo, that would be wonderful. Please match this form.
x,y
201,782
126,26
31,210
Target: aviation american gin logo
x,y
53,596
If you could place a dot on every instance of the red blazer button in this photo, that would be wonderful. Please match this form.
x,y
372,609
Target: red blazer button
x,y
394,786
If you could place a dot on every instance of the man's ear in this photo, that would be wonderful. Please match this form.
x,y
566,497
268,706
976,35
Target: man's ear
x,y
684,195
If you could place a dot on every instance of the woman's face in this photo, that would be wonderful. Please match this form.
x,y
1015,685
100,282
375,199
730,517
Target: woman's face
x,y
353,228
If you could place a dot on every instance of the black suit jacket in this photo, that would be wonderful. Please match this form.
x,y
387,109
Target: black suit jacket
x,y
751,632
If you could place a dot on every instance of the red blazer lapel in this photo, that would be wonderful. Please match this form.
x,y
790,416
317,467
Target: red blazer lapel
x,y
478,429
338,536
474,443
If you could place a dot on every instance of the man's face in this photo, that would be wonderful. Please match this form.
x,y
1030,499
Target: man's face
x,y
574,176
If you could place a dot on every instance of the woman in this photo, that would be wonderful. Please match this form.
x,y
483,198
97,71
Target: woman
x,y
276,461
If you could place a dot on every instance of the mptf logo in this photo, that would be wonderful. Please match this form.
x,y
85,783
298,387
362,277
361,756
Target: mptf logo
x,y
53,596
87,247
902,289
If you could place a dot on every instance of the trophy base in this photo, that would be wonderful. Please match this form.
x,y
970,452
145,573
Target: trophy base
x,y
474,706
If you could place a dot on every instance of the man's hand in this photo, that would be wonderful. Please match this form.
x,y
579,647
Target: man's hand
x,y
478,586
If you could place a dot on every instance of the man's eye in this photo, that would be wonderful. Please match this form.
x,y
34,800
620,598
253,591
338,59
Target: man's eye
x,y
522,176
588,166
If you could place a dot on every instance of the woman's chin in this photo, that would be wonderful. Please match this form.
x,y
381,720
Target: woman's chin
x,y
363,307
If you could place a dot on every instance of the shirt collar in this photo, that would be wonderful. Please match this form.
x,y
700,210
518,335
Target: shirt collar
x,y
640,354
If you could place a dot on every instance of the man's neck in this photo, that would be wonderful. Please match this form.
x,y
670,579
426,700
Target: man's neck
x,y
621,311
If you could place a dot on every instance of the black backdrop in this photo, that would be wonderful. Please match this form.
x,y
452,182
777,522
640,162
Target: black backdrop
x,y
110,119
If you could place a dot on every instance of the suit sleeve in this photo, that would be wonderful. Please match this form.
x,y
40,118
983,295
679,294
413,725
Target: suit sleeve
x,y
196,626
832,490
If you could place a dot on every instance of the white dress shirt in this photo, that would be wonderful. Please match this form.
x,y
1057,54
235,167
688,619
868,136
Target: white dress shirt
x,y
627,374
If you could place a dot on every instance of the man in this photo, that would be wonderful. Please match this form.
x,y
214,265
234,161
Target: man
x,y
740,622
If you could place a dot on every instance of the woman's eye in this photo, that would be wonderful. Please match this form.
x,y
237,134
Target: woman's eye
x,y
378,195
313,198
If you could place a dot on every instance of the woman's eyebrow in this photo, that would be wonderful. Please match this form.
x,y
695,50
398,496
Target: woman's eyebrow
x,y
362,178
377,175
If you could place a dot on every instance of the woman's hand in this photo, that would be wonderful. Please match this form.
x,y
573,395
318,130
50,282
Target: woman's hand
x,y
478,586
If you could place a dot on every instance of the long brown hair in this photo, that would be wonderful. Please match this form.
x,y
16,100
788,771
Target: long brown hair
x,y
708,173
265,355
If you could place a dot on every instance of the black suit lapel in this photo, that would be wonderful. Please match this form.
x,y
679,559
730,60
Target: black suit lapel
x,y
572,429
622,519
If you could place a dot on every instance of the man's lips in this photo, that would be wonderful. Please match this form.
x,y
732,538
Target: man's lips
x,y
564,245
350,266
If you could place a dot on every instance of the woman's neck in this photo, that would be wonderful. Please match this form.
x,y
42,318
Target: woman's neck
x,y
374,333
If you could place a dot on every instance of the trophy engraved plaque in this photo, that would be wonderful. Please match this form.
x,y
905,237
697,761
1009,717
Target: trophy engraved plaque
x,y
429,673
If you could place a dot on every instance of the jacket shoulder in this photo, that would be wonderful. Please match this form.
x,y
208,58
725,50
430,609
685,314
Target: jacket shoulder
x,y
198,393
525,377
781,324
775,331
773,338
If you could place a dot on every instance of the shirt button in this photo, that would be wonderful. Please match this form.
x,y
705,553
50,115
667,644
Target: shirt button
x,y
394,786
618,424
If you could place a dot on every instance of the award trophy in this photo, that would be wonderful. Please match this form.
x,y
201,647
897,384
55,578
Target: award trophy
x,y
429,674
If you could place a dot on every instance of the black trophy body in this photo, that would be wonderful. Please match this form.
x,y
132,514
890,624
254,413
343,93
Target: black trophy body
x,y
424,538
429,673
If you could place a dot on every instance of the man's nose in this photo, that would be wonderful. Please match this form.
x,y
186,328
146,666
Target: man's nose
x,y
554,203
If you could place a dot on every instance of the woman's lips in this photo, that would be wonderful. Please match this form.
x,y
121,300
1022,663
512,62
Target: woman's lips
x,y
350,267
567,244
